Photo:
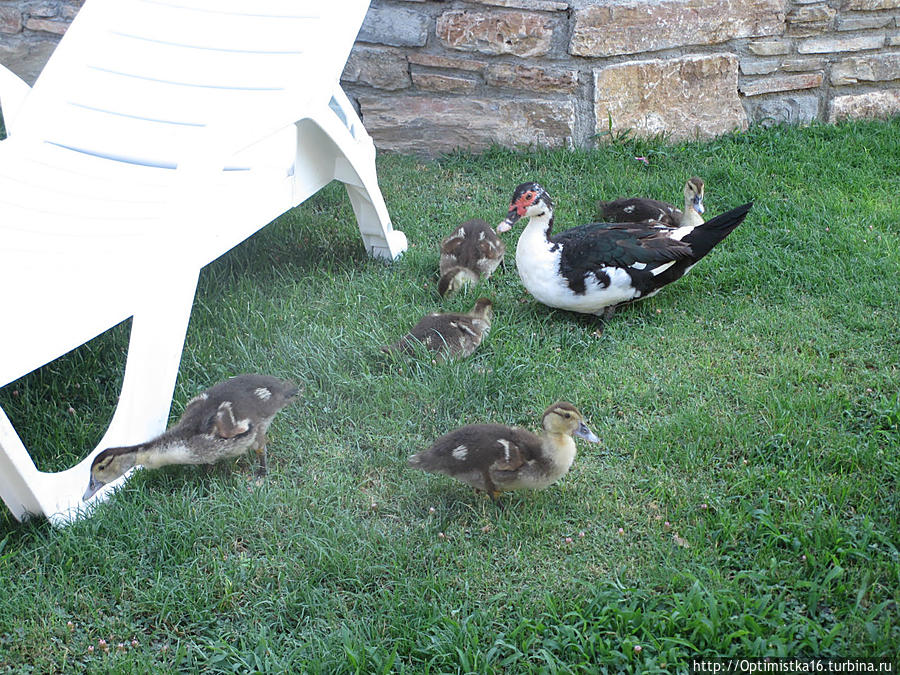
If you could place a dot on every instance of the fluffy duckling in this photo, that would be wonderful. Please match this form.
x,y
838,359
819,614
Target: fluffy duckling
x,y
637,209
224,421
450,335
495,457
596,267
471,253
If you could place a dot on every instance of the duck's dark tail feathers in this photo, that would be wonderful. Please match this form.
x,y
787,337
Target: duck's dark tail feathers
x,y
703,239
706,236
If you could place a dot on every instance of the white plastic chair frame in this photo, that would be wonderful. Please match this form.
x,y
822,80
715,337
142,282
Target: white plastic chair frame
x,y
160,134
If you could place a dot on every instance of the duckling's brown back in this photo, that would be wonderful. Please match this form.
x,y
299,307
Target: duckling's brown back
x,y
472,244
252,396
477,447
638,210
454,333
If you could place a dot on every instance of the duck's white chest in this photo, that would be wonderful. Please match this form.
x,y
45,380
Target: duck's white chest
x,y
538,264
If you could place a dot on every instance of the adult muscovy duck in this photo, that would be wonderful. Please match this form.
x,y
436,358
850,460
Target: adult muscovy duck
x,y
596,267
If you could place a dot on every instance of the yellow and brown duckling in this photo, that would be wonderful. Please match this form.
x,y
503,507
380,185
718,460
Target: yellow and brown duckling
x,y
452,335
495,457
224,421
638,209
470,254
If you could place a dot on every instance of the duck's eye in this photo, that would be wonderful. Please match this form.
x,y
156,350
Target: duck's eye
x,y
529,196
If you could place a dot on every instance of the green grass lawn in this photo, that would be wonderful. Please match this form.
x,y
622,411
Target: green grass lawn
x,y
744,500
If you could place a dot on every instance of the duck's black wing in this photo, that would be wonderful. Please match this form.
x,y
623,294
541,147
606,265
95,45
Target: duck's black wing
x,y
619,244
636,247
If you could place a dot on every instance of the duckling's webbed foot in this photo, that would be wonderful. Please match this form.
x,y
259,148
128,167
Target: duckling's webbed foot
x,y
262,470
490,488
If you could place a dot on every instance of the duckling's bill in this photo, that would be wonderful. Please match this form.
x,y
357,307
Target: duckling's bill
x,y
93,486
697,204
584,432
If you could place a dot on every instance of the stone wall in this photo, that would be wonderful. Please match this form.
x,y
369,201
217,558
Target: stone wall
x,y
429,76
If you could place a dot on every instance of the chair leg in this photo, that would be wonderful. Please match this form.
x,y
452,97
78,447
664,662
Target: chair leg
x,y
355,167
18,474
154,354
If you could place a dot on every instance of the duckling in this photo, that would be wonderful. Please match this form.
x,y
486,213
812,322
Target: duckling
x,y
597,267
450,335
224,421
471,253
496,457
638,209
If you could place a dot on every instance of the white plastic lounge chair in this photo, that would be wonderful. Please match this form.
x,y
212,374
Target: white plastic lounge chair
x,y
160,134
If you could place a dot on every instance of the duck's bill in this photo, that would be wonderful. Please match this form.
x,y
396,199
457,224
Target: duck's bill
x,y
698,205
507,223
93,486
583,432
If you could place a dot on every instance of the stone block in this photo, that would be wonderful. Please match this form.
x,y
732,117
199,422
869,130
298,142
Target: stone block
x,y
770,47
789,109
10,20
875,104
26,58
782,83
394,26
41,10
758,67
524,34
871,5
826,45
870,68
455,84
541,5
803,65
893,40
379,67
687,97
863,21
634,26
564,80
437,61
47,26
810,20
430,125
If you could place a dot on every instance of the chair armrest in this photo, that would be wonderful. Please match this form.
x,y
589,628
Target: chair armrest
x,y
13,91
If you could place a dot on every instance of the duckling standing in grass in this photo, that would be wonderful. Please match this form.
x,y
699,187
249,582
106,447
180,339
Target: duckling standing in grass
x,y
450,335
224,421
495,457
639,209
471,253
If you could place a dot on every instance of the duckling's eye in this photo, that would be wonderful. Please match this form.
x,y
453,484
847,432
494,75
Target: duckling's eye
x,y
568,416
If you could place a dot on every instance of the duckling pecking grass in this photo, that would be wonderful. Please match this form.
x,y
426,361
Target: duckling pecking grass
x,y
224,421
469,254
451,335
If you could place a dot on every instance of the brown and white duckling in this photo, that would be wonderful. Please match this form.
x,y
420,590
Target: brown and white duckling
x,y
224,421
495,457
470,254
450,335
638,209
596,267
